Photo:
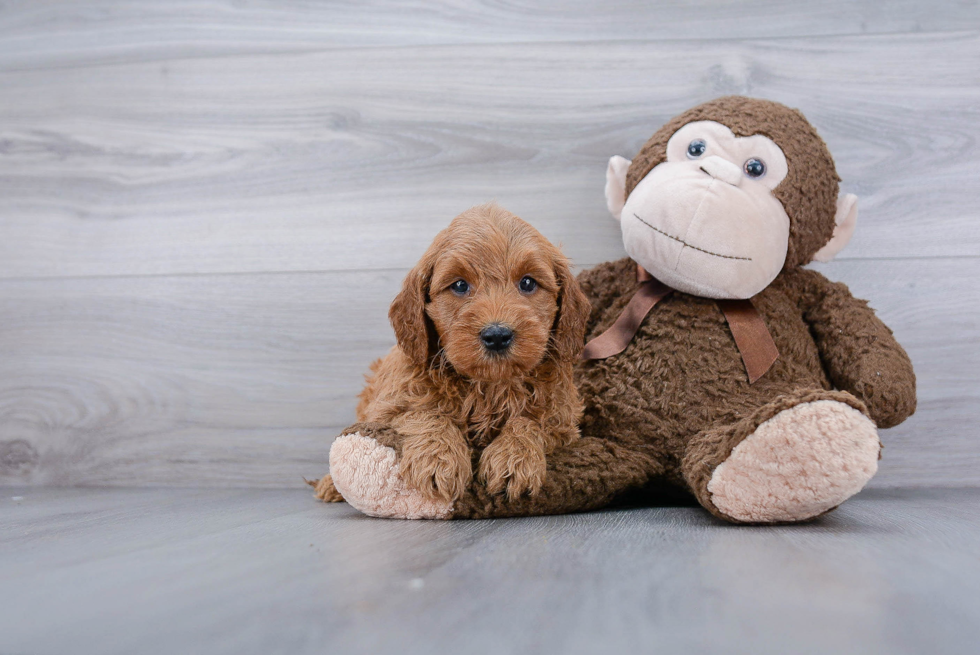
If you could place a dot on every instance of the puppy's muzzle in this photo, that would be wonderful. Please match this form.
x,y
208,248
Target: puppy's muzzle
x,y
496,338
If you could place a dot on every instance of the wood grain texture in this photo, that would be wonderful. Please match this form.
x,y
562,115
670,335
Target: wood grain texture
x,y
47,33
353,158
206,206
244,380
252,571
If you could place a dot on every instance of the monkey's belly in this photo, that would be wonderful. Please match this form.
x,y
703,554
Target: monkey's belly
x,y
682,373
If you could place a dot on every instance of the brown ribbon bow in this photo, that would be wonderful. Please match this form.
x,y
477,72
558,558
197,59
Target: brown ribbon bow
x,y
752,337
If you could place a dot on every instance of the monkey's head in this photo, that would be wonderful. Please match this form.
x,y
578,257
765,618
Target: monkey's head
x,y
728,194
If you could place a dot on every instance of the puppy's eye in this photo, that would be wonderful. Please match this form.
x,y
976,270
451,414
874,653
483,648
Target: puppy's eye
x,y
696,148
755,167
459,287
527,284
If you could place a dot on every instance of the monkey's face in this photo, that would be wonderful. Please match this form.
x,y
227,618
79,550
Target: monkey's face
x,y
705,221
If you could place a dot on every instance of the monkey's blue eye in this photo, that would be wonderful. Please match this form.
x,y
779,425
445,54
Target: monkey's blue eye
x,y
459,287
696,148
755,168
527,284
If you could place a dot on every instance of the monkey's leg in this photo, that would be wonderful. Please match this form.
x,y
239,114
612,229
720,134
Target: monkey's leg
x,y
364,465
587,474
792,459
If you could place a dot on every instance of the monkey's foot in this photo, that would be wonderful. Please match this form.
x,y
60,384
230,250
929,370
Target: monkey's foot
x,y
802,462
367,474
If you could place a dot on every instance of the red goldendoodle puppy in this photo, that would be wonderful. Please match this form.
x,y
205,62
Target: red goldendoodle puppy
x,y
488,325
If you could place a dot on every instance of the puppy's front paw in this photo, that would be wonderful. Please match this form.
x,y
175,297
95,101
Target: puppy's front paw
x,y
513,461
439,468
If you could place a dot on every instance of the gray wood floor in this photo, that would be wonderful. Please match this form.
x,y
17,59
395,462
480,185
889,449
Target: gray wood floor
x,y
270,571
206,206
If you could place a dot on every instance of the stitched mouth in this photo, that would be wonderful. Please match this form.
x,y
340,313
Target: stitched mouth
x,y
693,247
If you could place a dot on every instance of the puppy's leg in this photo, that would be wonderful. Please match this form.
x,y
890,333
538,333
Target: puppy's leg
x,y
435,457
515,460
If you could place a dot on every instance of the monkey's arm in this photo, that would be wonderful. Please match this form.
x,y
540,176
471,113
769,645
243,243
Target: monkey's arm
x,y
859,352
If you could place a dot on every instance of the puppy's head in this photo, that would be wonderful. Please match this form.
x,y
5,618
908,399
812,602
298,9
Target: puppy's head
x,y
494,295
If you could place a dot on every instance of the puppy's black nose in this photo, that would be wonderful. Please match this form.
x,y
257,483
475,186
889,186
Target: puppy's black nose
x,y
496,337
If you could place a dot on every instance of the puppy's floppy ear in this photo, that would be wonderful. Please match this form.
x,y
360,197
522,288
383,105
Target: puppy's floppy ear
x,y
414,331
568,335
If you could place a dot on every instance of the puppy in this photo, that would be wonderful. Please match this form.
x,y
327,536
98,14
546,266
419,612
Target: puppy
x,y
488,325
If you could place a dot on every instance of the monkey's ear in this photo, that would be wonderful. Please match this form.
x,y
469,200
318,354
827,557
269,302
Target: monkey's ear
x,y
616,185
846,221
413,329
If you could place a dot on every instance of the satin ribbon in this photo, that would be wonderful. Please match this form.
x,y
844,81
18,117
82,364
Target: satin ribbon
x,y
751,335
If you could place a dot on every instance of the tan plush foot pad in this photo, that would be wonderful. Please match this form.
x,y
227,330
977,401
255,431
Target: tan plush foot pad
x,y
366,474
798,464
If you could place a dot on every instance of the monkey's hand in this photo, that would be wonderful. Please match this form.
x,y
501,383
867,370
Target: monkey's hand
x,y
515,460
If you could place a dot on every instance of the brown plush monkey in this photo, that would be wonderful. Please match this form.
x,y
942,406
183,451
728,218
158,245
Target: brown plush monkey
x,y
719,365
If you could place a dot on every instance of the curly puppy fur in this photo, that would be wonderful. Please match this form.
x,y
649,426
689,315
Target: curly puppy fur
x,y
453,401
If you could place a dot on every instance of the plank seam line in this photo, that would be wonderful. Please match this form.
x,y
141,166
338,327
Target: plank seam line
x,y
337,271
96,62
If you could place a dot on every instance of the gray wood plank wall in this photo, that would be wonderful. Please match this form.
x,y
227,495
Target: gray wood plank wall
x,y
206,206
